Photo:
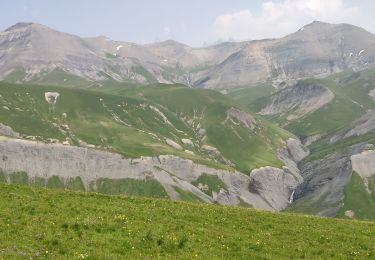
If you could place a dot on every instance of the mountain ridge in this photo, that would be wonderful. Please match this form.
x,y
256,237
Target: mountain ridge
x,y
316,49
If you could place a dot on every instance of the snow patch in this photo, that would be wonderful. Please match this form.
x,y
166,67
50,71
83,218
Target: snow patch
x,y
119,47
51,97
359,54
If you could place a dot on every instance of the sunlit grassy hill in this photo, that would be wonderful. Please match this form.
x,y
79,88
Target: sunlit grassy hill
x,y
38,222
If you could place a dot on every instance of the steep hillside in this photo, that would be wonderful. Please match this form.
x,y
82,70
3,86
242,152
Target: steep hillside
x,y
334,117
161,140
36,222
145,121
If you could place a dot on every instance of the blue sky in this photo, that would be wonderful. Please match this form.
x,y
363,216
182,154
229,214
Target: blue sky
x,y
194,22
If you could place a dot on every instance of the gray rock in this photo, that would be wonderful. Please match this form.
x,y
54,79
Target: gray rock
x,y
325,180
46,160
274,185
8,131
242,117
298,100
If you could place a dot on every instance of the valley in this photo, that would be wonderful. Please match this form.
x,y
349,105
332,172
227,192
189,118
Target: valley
x,y
281,125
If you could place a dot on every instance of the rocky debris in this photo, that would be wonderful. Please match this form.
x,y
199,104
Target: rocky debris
x,y
224,197
51,97
298,100
187,142
349,213
311,139
210,150
274,185
161,114
372,94
364,164
203,187
8,131
325,180
46,160
173,144
242,117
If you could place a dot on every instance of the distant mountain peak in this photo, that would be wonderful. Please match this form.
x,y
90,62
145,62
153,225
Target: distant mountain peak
x,y
24,25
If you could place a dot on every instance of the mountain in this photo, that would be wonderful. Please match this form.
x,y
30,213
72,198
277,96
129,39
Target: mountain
x,y
317,49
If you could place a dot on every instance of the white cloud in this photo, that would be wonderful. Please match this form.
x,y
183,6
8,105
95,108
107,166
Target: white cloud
x,y
279,18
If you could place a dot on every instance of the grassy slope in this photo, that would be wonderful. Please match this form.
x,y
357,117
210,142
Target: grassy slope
x,y
90,120
245,148
59,224
358,199
351,101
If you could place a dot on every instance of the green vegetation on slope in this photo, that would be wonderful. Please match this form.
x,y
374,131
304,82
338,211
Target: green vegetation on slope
x,y
131,187
246,149
136,120
117,123
36,222
358,199
252,97
209,183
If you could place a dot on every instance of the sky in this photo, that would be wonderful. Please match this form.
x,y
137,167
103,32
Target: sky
x,y
193,22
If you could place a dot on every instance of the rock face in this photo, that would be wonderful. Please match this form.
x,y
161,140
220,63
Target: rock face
x,y
298,100
325,179
269,191
317,49
292,155
274,185
364,164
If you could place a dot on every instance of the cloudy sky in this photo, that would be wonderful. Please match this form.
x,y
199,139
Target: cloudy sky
x,y
194,22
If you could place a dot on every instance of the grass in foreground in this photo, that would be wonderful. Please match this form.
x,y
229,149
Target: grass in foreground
x,y
59,224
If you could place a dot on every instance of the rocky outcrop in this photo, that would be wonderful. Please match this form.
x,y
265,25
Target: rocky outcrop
x,y
292,155
8,131
364,164
269,191
173,144
274,185
296,150
298,100
325,180
372,94
242,117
